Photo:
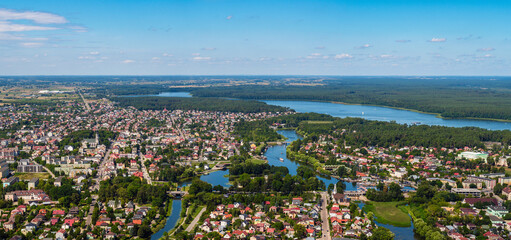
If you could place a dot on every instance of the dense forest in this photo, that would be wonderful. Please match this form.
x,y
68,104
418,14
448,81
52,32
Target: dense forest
x,y
449,97
256,131
202,104
361,132
126,189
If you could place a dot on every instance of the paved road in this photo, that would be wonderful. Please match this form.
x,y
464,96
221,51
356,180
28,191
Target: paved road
x,y
178,129
144,169
324,217
195,221
86,103
48,170
181,224
101,170
88,221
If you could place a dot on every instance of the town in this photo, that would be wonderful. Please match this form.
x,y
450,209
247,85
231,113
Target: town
x,y
84,167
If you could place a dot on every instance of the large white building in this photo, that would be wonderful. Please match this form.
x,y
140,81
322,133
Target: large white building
x,y
473,155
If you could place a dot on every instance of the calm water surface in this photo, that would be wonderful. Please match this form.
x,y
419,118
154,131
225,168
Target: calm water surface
x,y
274,153
214,178
171,220
385,114
370,112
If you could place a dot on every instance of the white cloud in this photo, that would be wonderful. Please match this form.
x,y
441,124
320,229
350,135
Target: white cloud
x,y
167,55
364,46
438,40
486,49
263,59
384,56
7,36
78,28
228,17
94,53
19,37
195,54
128,61
201,58
37,17
317,56
12,27
31,44
343,56
208,49
86,57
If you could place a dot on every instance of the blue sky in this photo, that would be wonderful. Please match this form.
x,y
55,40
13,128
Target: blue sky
x,y
157,37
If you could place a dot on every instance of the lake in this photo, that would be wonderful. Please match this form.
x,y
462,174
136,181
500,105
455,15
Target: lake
x,y
171,220
214,178
370,113
274,153
385,114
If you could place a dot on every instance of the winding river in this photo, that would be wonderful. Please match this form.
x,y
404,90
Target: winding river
x,y
274,153
171,220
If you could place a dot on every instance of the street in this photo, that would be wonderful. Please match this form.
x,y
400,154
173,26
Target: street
x,y
324,217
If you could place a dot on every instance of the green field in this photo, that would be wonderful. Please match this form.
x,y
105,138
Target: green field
x,y
256,161
29,176
388,213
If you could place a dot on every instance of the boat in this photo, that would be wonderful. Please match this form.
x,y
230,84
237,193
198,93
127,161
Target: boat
x,y
281,159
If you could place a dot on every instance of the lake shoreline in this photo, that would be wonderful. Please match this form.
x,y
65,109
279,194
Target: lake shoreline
x,y
437,115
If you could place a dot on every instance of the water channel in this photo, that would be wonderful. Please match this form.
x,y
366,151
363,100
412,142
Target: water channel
x,y
171,220
275,153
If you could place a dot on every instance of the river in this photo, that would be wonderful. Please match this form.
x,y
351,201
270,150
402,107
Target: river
x,y
171,220
274,153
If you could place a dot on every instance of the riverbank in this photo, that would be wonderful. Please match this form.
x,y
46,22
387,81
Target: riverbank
x,y
438,115
163,222
171,222
389,213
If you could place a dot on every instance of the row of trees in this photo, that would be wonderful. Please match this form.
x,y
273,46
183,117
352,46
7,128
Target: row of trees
x,y
202,104
389,193
361,132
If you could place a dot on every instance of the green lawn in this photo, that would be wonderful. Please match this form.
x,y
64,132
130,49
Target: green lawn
x,y
256,161
29,176
388,213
